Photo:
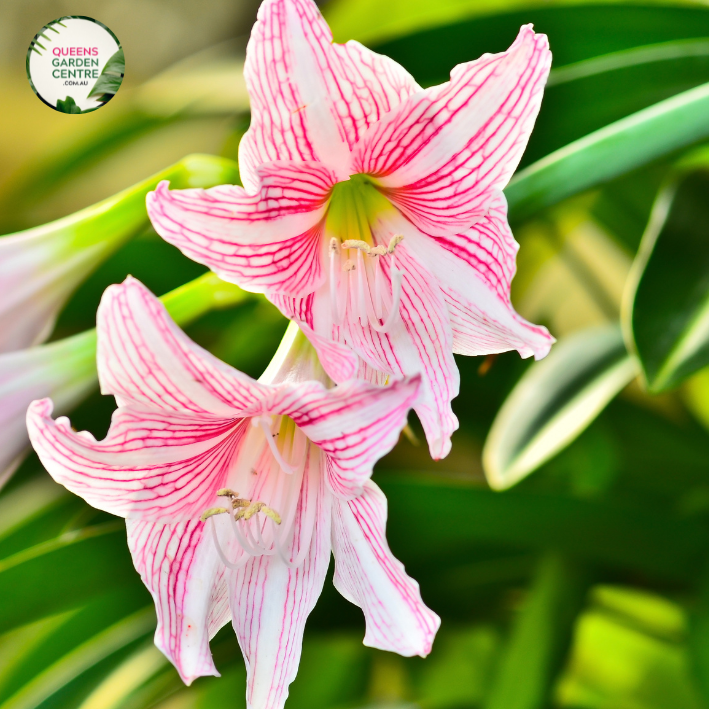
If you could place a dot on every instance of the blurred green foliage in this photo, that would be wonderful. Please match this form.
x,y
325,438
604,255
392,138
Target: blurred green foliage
x,y
586,585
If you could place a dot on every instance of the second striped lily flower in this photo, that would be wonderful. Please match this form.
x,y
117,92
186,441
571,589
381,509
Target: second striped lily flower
x,y
372,209
236,491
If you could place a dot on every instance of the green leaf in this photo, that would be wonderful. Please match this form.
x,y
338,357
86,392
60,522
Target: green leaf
x,y
41,176
80,659
116,64
111,77
106,85
121,685
540,636
74,630
699,636
588,95
453,31
81,564
667,318
68,105
555,401
620,147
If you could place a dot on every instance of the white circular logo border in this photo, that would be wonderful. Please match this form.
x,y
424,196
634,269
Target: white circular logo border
x,y
41,45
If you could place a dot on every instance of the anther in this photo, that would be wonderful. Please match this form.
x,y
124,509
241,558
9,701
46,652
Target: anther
x,y
226,492
211,512
380,250
333,246
395,241
256,507
348,265
357,244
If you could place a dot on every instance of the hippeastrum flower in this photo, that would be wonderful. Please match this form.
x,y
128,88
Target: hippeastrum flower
x,y
372,209
41,267
236,491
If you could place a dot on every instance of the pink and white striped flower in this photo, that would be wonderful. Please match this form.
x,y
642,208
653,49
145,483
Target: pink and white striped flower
x,y
372,209
236,491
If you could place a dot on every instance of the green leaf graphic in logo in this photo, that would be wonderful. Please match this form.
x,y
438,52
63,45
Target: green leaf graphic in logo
x,y
68,105
111,78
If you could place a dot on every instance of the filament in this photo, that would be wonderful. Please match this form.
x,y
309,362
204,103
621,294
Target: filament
x,y
231,565
365,296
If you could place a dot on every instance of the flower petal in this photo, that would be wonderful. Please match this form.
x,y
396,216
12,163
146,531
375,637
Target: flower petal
x,y
143,357
180,567
356,424
475,270
160,466
368,575
39,269
438,155
64,370
269,239
270,602
339,361
311,99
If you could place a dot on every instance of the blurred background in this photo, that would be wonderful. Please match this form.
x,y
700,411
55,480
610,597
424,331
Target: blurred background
x,y
567,543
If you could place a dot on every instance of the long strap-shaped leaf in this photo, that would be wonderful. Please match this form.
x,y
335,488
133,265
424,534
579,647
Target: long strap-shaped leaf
x,y
611,151
554,402
82,658
666,318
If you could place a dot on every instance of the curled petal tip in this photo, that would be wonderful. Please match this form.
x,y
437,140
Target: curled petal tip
x,y
40,408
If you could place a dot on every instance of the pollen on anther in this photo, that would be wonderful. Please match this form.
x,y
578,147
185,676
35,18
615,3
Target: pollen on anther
x,y
395,241
211,512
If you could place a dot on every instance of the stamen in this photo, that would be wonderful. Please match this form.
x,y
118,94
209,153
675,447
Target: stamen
x,y
366,306
247,509
362,289
226,492
337,315
356,244
307,525
395,241
244,555
211,512
265,424
247,512
396,277
378,278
